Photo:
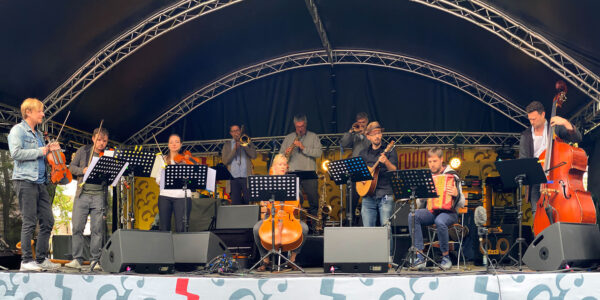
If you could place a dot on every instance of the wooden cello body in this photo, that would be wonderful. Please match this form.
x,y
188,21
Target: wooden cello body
x,y
288,230
563,198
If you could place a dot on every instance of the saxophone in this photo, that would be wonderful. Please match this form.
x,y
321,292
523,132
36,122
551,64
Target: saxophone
x,y
324,208
290,149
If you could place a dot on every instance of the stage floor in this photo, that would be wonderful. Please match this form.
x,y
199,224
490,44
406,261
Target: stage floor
x,y
472,282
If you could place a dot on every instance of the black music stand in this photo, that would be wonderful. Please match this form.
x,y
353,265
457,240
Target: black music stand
x,y
347,171
186,177
271,188
140,164
516,173
413,184
102,171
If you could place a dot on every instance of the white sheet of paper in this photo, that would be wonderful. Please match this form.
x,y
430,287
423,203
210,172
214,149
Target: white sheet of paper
x,y
120,174
162,178
90,168
109,153
159,164
298,188
211,176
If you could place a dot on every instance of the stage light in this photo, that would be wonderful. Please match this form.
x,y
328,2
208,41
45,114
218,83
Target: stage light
x,y
325,165
455,162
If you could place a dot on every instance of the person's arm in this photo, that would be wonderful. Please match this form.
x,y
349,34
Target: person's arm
x,y
15,142
79,162
524,147
287,141
250,151
313,147
347,140
227,154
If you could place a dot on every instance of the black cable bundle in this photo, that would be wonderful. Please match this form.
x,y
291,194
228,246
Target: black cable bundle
x,y
223,264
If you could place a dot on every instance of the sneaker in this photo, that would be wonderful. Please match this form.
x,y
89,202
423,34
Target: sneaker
x,y
48,265
97,266
420,263
446,263
30,266
74,264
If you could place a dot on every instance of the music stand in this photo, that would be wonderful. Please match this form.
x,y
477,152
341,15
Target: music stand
x,y
347,171
271,188
103,170
140,164
516,173
413,184
188,177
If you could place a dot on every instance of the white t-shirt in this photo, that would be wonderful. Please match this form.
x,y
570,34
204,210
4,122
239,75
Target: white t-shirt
x,y
540,142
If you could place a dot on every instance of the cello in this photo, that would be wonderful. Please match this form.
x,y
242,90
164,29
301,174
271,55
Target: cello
x,y
563,198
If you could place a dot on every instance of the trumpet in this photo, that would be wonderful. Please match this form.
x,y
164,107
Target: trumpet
x,y
244,140
357,127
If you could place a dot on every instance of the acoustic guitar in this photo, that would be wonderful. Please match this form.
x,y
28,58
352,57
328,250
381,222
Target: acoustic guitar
x,y
367,187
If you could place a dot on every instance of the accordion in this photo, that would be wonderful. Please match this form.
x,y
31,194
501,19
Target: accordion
x,y
444,199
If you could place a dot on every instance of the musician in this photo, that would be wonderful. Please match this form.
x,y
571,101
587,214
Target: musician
x,y
172,201
382,201
238,160
89,200
279,167
303,147
29,177
440,217
535,139
355,138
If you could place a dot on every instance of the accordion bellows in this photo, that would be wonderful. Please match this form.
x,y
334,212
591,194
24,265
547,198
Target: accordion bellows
x,y
444,200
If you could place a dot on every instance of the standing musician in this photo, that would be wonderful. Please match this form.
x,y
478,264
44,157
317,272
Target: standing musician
x,y
279,167
382,201
356,139
29,178
303,147
172,201
442,215
89,200
238,157
535,139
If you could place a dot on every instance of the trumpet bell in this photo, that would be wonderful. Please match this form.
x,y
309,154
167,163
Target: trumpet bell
x,y
244,140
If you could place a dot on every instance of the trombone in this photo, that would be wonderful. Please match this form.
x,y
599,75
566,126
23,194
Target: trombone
x,y
244,138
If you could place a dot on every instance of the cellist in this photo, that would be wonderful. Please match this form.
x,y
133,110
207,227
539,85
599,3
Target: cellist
x,y
89,200
535,139
279,167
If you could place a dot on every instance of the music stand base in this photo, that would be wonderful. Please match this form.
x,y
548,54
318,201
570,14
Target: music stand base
x,y
273,254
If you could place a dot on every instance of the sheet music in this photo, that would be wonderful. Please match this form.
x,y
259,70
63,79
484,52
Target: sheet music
x,y
114,183
211,176
159,165
162,178
298,188
90,168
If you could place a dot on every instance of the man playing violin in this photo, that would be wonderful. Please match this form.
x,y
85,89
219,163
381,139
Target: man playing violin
x,y
89,200
356,139
303,147
535,139
442,218
279,167
172,201
29,177
238,158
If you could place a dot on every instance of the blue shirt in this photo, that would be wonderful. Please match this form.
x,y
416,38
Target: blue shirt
x,y
238,164
41,163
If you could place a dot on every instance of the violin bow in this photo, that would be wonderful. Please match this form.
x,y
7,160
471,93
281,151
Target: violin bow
x,y
94,145
159,150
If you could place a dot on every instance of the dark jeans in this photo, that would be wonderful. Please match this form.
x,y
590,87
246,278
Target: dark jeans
x,y
35,205
441,221
85,205
310,186
262,249
239,191
167,206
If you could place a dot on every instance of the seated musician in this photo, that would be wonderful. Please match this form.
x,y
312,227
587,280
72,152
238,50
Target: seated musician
x,y
441,211
279,167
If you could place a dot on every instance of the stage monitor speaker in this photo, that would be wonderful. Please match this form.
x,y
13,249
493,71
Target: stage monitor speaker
x,y
138,250
62,247
562,244
192,249
356,249
237,216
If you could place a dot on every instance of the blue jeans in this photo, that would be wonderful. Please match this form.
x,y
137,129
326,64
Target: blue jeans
x,y
441,221
371,206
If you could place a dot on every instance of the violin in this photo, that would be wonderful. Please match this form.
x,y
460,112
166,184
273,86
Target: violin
x,y
60,173
563,198
186,158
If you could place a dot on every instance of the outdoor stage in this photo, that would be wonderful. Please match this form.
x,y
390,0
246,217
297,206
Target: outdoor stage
x,y
474,284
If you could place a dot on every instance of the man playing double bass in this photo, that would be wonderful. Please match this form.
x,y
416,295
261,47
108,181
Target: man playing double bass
x,y
535,139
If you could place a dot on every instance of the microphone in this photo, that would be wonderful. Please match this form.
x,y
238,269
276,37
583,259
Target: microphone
x,y
480,218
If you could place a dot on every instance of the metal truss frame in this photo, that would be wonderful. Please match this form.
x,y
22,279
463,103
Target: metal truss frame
x,y
312,9
320,58
125,45
532,44
403,140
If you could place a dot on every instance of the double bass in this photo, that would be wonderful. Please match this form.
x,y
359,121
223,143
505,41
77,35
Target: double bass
x,y
563,198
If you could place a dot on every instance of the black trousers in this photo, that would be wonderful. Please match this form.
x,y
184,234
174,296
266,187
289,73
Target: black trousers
x,y
310,187
167,206
239,191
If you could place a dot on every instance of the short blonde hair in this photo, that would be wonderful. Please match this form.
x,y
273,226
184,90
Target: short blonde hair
x,y
277,157
30,104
